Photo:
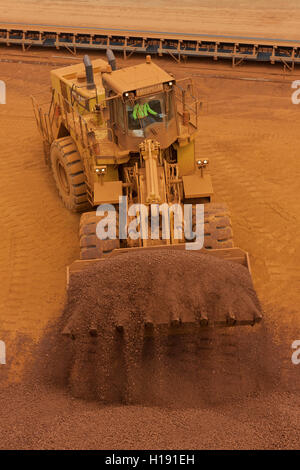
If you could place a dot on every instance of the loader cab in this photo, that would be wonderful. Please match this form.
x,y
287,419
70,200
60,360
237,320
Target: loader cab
x,y
142,105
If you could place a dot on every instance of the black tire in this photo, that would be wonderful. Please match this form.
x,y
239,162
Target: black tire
x,y
217,226
68,173
92,247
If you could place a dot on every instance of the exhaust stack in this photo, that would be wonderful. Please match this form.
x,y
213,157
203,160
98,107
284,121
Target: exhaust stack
x,y
89,72
111,59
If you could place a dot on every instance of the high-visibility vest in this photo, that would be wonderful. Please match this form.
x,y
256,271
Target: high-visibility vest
x,y
142,110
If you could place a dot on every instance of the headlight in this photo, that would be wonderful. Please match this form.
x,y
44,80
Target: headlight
x,y
101,170
202,163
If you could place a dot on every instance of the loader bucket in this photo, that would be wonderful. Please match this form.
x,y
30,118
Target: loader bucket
x,y
165,288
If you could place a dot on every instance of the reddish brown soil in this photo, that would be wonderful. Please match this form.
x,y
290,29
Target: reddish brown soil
x,y
250,132
50,419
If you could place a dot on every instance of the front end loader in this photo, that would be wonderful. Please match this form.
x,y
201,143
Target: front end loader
x,y
122,138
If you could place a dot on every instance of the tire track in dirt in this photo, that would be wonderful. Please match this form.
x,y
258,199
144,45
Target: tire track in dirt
x,y
40,235
261,225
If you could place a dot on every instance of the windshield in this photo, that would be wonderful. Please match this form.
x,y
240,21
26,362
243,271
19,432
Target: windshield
x,y
145,112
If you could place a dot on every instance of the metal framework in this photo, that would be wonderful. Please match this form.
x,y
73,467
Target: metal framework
x,y
177,45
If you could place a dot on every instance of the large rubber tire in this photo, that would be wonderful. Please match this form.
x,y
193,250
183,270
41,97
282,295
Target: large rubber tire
x,y
217,226
92,247
68,173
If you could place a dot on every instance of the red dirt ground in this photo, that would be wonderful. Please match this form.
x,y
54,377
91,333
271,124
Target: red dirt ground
x,y
250,132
